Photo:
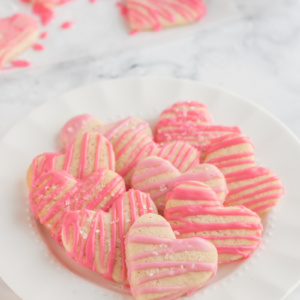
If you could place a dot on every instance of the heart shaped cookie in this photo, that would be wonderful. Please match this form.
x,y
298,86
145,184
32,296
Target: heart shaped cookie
x,y
158,176
78,125
17,33
161,267
96,239
230,153
182,123
86,154
257,188
155,15
192,209
54,193
187,112
83,123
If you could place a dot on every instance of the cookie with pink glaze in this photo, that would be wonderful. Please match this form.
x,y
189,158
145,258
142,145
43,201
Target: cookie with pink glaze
x,y
187,112
182,155
163,267
77,126
158,176
192,209
95,240
17,33
257,188
88,153
83,123
55,193
230,153
155,15
191,124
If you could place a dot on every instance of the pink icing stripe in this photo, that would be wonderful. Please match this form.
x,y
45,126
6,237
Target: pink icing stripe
x,y
249,186
259,192
194,227
132,206
113,243
83,155
235,163
228,157
230,237
227,141
262,207
246,174
90,244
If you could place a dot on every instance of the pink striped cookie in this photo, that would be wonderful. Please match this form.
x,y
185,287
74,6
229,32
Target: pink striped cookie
x,y
230,153
55,193
161,267
86,154
77,126
257,188
83,123
155,15
17,33
191,124
182,155
158,176
193,209
187,112
95,240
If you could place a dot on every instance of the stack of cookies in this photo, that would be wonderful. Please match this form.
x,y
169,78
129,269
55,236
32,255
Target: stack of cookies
x,y
156,214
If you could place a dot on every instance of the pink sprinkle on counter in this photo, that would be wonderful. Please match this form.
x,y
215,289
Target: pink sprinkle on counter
x,y
38,47
20,63
67,25
43,35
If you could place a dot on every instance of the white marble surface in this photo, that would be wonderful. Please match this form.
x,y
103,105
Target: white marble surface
x,y
257,56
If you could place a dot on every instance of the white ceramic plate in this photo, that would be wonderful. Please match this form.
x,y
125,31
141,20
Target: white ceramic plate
x,y
38,269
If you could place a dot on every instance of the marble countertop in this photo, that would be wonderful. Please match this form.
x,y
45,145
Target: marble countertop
x,y
255,56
